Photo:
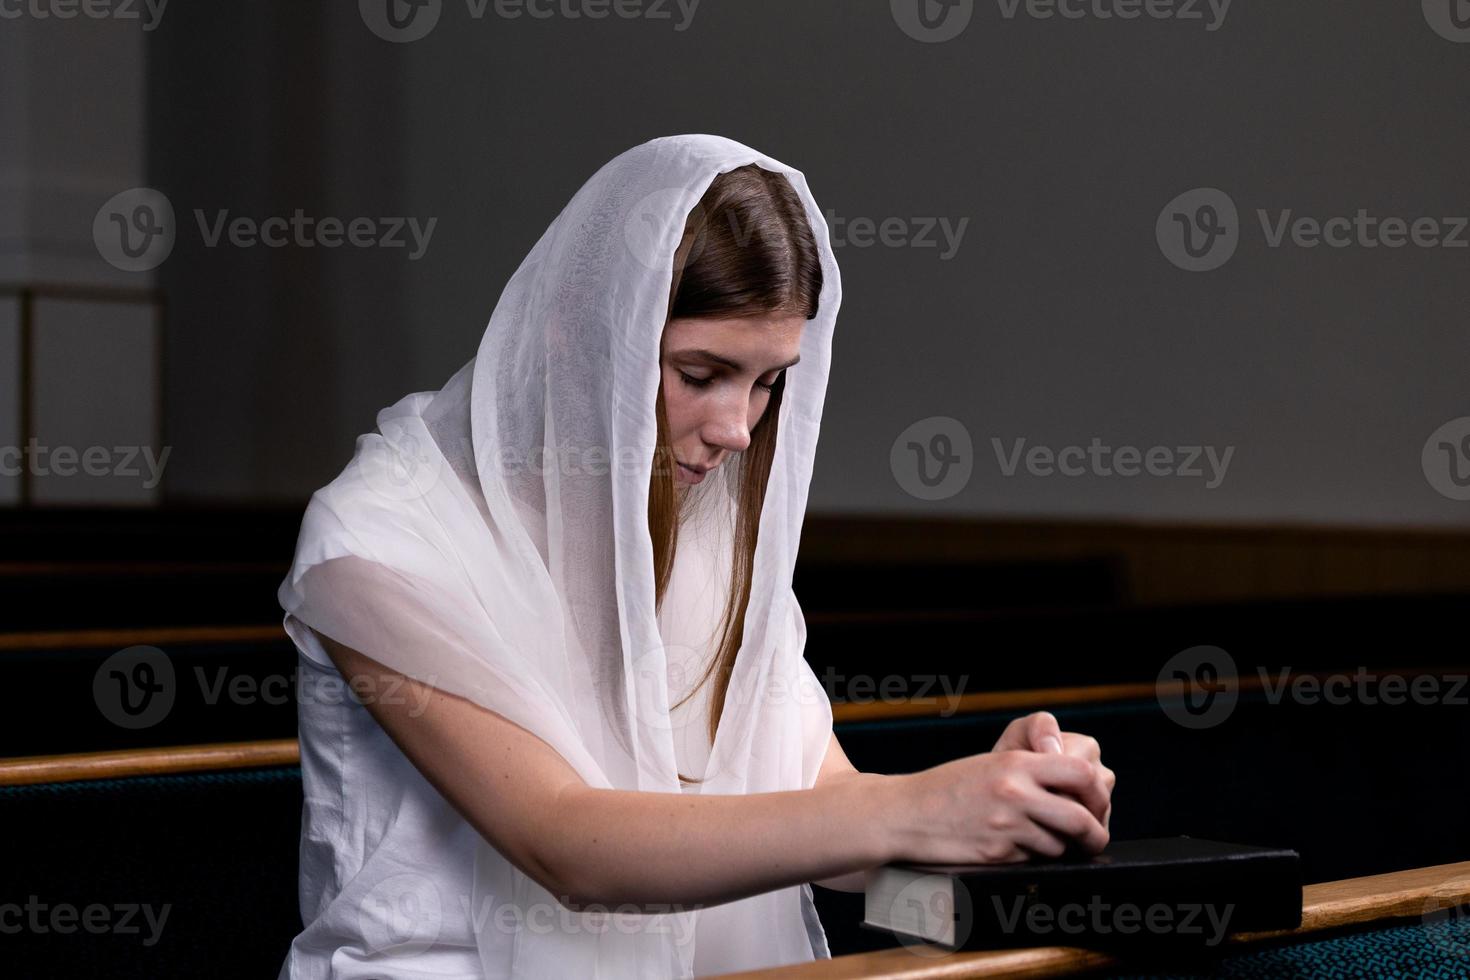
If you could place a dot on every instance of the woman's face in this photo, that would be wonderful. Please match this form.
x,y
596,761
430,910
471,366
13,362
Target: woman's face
x,y
717,376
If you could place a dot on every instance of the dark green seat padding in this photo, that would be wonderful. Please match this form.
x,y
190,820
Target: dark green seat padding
x,y
213,855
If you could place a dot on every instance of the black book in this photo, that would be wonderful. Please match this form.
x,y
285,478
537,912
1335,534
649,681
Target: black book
x,y
1171,891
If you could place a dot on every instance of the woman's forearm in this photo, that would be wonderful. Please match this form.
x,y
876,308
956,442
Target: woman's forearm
x,y
610,846
853,881
659,849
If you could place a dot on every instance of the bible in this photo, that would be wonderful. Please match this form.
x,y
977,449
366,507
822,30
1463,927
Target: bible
x,y
1159,891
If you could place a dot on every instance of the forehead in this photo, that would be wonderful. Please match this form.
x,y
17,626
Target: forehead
x,y
757,342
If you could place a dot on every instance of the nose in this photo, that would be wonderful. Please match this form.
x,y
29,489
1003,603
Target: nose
x,y
727,428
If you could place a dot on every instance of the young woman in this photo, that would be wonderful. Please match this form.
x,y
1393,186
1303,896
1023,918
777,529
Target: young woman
x,y
581,737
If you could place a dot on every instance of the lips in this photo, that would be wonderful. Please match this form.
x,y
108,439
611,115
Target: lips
x,y
691,474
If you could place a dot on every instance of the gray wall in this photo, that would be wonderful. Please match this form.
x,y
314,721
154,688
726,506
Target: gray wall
x,y
1059,318
79,345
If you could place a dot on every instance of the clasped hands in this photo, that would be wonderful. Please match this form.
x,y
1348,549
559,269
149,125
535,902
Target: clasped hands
x,y
1040,732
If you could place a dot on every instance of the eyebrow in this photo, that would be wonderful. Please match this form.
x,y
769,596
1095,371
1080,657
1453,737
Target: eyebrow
x,y
709,355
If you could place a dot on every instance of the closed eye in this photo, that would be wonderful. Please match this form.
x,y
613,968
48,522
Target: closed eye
x,y
694,382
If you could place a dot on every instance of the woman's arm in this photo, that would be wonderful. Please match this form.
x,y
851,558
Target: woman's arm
x,y
610,846
1030,732
835,768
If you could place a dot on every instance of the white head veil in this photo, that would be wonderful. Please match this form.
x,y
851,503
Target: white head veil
x,y
491,539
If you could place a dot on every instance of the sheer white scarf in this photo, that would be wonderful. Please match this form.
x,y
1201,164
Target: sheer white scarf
x,y
491,539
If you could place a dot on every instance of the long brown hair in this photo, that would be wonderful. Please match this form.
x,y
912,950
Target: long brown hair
x,y
747,250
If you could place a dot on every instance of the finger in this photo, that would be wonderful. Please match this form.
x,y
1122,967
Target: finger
x,y
1109,781
1013,855
1091,802
1073,776
1082,746
1037,839
1043,733
1070,819
1105,782
1014,736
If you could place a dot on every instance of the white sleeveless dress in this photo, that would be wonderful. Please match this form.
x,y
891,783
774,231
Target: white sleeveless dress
x,y
687,620
386,863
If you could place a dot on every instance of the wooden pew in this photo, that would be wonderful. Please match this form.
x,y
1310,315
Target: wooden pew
x,y
172,760
1412,894
878,720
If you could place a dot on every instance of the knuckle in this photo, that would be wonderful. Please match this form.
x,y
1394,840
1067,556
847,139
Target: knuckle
x,y
1009,788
